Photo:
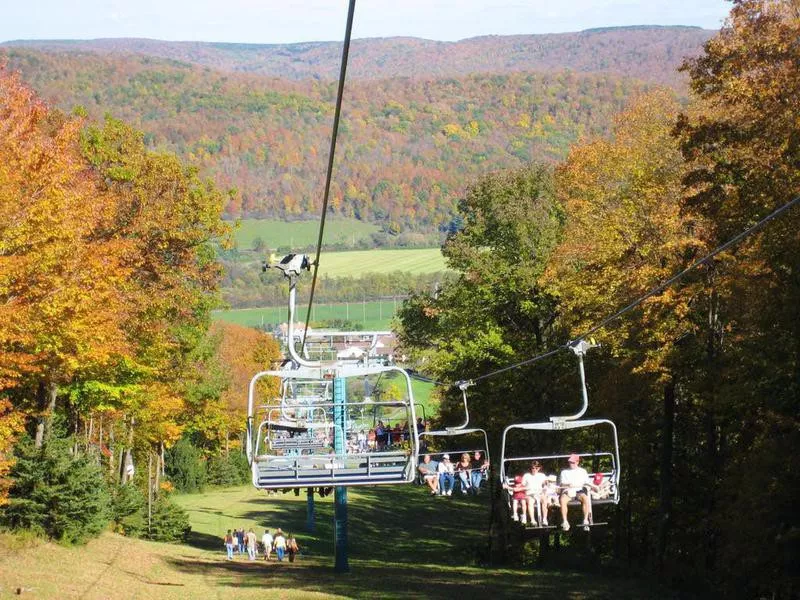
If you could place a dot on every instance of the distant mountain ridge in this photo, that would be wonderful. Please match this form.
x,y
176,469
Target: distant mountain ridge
x,y
421,119
649,53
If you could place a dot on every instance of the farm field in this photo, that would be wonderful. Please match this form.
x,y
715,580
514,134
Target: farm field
x,y
301,234
371,316
360,263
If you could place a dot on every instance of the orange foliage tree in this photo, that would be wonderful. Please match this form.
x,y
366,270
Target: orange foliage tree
x,y
240,352
61,300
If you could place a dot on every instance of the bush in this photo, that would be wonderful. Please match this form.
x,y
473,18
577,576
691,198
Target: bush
x,y
228,470
185,467
129,510
169,522
54,492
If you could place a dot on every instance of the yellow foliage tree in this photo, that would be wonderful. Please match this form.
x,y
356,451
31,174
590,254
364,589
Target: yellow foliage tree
x,y
626,230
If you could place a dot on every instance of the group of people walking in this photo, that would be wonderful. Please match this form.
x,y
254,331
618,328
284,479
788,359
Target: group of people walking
x,y
236,540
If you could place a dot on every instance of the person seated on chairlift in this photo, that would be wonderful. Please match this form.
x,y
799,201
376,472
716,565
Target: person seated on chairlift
x,y
549,495
575,484
464,471
519,505
429,470
332,462
533,481
363,442
380,435
602,487
447,476
480,465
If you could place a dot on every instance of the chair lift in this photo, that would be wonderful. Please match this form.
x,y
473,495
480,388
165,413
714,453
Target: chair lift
x,y
461,432
305,438
604,463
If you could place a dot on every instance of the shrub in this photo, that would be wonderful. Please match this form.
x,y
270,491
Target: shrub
x,y
129,510
229,470
185,467
54,492
169,522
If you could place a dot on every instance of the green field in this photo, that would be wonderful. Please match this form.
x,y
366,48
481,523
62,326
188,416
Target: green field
x,y
371,316
301,234
362,262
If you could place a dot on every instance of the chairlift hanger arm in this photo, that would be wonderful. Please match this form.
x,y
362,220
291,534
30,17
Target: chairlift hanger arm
x,y
579,347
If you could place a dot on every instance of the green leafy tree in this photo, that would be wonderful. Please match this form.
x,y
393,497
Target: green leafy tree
x,y
494,311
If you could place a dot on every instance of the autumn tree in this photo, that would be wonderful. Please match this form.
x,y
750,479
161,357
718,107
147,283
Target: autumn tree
x,y
742,141
627,231
61,299
218,419
169,219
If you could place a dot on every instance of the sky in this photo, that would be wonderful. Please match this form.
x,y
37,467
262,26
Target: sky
x,y
286,21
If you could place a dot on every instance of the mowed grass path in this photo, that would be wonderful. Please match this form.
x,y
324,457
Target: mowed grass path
x,y
403,544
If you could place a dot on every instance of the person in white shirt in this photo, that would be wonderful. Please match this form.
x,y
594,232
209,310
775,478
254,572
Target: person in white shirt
x,y
280,544
252,541
574,482
447,476
266,541
533,481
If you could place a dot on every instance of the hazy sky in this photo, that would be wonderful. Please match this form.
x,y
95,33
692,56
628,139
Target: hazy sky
x,y
281,21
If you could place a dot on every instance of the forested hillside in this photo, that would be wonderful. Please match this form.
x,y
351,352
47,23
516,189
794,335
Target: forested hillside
x,y
407,145
649,53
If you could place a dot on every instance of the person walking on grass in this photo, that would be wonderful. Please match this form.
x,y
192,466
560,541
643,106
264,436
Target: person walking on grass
x,y
266,541
229,544
279,544
292,549
252,541
239,534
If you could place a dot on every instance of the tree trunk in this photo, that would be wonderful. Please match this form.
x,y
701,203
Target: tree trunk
x,y
159,458
712,458
46,395
127,467
149,492
111,452
665,501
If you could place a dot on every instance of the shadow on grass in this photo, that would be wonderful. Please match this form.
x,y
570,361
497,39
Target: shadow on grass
x,y
205,541
376,579
403,543
390,523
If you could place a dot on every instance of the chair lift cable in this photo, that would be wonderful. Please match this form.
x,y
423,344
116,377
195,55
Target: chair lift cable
x,y
334,135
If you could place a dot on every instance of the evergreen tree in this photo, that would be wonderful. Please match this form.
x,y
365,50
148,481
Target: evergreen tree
x,y
56,493
185,467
